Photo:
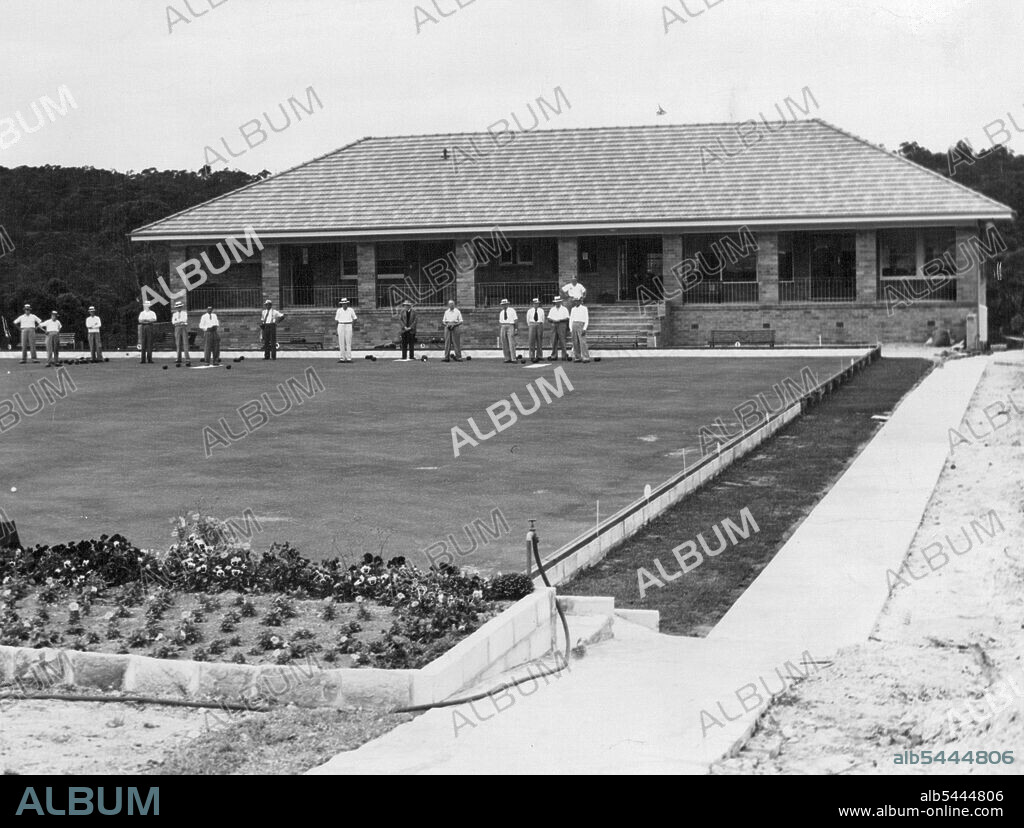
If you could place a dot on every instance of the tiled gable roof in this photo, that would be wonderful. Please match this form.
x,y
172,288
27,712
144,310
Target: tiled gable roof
x,y
625,176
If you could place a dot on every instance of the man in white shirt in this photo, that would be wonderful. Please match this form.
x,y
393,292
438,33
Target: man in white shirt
x,y
573,290
535,323
558,316
346,318
179,322
28,323
92,329
268,326
210,325
52,328
147,333
507,322
452,321
579,321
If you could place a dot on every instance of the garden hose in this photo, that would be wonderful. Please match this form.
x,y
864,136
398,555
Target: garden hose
x,y
135,700
534,541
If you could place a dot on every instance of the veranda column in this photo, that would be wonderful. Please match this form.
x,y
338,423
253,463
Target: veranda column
x,y
270,273
366,254
867,266
465,275
568,258
671,255
768,268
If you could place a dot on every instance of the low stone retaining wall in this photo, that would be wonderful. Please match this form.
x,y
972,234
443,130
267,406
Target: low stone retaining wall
x,y
593,545
523,632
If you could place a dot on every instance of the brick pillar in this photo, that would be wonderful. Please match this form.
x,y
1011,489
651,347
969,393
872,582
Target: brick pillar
x,y
867,266
270,273
568,258
465,276
175,257
366,253
671,255
768,268
966,266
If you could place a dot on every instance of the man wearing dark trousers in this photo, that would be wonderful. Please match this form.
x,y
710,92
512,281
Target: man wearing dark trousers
x,y
268,325
147,329
407,327
535,326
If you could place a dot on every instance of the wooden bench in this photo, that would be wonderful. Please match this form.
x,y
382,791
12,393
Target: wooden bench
x,y
67,340
764,336
300,342
624,339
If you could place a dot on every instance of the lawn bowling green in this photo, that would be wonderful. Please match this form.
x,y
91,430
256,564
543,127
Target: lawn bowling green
x,y
367,463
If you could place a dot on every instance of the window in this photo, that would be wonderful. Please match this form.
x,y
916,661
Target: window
x,y
391,258
939,251
519,252
720,258
349,260
786,257
897,253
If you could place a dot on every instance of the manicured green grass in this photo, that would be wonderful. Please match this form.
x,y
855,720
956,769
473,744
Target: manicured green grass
x,y
367,464
779,483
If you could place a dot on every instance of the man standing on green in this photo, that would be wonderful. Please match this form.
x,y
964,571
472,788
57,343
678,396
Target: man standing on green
x,y
28,323
147,332
92,329
407,323
52,328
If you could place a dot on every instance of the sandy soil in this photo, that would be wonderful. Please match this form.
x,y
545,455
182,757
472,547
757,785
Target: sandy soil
x,y
944,669
50,737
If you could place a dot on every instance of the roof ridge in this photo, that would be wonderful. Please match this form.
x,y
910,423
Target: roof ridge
x,y
914,164
247,186
619,128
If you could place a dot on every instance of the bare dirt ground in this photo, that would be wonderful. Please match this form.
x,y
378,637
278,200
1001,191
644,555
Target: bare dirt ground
x,y
52,737
944,669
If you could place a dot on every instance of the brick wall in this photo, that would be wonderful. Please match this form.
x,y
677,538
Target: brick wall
x,y
804,323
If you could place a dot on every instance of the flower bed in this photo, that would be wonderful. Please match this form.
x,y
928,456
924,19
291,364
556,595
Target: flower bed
x,y
209,598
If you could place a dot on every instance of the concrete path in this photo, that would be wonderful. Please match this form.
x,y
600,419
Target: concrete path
x,y
650,703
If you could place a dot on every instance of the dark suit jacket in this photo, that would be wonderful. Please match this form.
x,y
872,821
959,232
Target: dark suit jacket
x,y
412,320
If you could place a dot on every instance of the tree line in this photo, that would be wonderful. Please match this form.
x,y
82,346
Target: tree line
x,y
64,234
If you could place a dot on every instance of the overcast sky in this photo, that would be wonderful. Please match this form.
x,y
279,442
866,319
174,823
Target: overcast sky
x,y
153,90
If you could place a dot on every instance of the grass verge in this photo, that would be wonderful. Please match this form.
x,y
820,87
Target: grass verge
x,y
780,483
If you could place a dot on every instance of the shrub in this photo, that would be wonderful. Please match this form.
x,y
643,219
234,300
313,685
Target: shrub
x,y
509,587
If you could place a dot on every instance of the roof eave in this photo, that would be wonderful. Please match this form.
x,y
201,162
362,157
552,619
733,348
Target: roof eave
x,y
659,225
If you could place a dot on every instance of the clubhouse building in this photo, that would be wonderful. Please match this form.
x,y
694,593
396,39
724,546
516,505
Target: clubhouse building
x,y
797,229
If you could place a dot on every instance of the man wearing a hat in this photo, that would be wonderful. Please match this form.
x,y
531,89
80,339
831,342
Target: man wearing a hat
x,y
507,322
346,318
209,324
147,333
268,325
558,316
92,331
52,328
28,323
579,321
407,328
179,322
452,321
535,326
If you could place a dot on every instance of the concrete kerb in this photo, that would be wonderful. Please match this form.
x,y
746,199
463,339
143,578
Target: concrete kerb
x,y
592,546
523,632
